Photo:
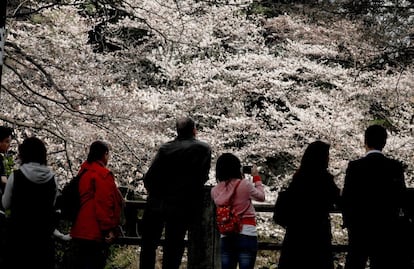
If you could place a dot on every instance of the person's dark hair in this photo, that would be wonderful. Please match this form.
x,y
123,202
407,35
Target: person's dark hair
x,y
32,150
228,166
97,150
375,137
185,127
316,157
5,132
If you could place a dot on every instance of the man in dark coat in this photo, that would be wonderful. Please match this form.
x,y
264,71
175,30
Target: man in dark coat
x,y
372,200
174,183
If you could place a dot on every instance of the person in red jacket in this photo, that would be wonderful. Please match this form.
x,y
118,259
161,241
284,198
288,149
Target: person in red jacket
x,y
100,213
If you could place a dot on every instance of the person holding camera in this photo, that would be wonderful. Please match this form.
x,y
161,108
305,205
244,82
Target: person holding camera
x,y
238,248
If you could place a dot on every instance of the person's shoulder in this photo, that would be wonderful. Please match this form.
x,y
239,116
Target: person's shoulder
x,y
166,144
170,142
245,183
98,168
357,161
397,164
356,164
218,186
202,144
194,143
371,157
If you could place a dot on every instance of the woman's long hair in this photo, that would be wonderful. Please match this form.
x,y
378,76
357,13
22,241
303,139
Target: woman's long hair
x,y
315,158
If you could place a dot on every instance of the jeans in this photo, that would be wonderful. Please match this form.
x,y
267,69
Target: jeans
x,y
239,248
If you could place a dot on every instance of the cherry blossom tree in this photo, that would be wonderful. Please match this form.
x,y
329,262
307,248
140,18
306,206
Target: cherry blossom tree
x,y
260,84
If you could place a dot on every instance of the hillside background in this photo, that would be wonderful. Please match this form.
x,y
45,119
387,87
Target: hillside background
x,y
261,78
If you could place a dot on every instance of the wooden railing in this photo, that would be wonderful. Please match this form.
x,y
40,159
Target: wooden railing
x,y
203,242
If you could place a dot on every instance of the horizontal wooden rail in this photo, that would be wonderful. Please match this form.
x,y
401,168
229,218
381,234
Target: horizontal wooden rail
x,y
136,241
203,244
140,204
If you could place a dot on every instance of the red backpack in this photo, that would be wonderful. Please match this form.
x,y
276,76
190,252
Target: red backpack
x,y
228,221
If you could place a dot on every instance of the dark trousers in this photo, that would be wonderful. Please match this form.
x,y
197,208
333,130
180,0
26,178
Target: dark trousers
x,y
174,221
3,243
86,254
23,251
382,247
307,245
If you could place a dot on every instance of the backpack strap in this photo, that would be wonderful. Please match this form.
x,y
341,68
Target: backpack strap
x,y
232,195
82,172
88,194
234,191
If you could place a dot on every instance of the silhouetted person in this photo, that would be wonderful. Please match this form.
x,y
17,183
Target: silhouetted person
x,y
373,189
312,195
174,183
29,200
5,140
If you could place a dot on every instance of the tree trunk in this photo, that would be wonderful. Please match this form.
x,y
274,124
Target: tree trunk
x,y
3,5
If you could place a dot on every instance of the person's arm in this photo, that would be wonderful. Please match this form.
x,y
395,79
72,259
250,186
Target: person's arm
x,y
347,195
3,180
106,208
153,173
3,175
205,165
334,194
400,177
257,192
401,189
7,196
61,236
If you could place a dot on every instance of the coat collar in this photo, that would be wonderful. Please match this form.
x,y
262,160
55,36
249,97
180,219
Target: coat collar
x,y
374,151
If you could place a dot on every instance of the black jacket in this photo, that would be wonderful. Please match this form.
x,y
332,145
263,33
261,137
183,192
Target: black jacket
x,y
373,191
179,171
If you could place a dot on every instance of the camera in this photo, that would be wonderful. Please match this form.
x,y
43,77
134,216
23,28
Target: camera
x,y
247,169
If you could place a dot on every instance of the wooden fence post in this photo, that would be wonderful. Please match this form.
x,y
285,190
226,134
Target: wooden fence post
x,y
203,240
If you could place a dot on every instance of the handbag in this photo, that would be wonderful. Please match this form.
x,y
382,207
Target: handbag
x,y
281,210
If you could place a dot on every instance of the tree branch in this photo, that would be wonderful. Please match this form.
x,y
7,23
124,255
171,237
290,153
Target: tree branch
x,y
31,125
